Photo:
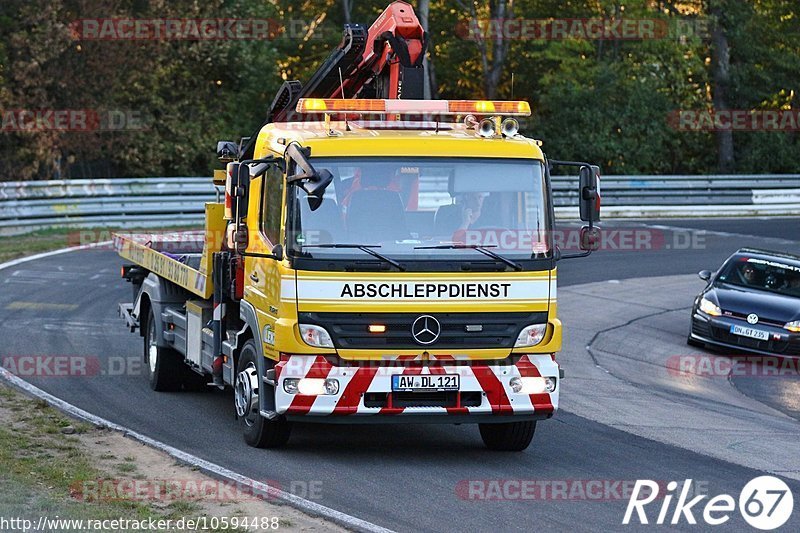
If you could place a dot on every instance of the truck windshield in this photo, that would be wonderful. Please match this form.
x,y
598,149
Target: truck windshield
x,y
409,209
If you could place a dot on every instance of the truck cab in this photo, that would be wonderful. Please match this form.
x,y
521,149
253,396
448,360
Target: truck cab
x,y
418,282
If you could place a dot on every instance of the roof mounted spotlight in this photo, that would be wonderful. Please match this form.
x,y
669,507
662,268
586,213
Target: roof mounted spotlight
x,y
487,128
471,122
509,127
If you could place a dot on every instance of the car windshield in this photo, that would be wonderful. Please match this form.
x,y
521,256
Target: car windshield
x,y
772,275
424,209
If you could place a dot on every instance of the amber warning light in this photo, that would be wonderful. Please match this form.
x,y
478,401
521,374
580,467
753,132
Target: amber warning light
x,y
409,107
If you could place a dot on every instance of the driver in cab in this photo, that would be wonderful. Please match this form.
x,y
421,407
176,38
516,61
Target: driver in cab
x,y
461,215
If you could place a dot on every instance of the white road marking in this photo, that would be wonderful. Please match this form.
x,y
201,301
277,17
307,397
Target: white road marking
x,y
717,233
21,260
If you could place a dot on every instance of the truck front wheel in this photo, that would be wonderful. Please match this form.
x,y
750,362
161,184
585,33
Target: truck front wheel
x,y
258,431
508,436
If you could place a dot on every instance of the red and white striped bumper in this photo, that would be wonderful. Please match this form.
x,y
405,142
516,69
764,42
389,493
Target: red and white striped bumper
x,y
491,381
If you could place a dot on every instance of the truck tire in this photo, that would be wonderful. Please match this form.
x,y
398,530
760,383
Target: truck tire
x,y
162,365
258,431
508,436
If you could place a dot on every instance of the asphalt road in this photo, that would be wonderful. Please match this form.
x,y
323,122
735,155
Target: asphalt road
x,y
407,478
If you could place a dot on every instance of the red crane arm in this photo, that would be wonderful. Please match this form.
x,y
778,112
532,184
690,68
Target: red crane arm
x,y
392,56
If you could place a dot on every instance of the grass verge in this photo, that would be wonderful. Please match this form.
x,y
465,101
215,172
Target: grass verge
x,y
45,466
54,468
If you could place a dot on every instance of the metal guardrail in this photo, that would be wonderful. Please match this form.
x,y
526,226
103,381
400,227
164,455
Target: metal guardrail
x,y
687,196
141,202
145,202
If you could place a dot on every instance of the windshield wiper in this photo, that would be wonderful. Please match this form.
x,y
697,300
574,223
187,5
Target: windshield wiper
x,y
482,249
366,248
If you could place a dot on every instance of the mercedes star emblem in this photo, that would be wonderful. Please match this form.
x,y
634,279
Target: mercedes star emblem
x,y
426,329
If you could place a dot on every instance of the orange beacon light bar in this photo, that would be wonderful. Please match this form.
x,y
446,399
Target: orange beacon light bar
x,y
437,107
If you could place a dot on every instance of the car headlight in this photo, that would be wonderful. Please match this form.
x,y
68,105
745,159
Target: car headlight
x,y
794,327
531,335
709,307
315,336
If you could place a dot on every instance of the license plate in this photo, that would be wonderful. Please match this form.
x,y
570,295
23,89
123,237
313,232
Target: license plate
x,y
750,332
432,382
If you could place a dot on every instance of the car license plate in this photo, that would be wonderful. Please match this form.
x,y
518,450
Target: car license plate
x,y
750,332
430,382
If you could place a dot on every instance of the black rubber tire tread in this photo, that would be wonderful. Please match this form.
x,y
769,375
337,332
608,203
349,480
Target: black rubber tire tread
x,y
508,436
263,433
168,370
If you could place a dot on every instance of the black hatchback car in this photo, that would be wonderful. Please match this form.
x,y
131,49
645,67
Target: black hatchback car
x,y
752,304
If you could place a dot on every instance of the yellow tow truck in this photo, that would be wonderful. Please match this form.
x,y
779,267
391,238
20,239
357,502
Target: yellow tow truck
x,y
377,258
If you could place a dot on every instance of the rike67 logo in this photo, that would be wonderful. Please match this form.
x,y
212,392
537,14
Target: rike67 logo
x,y
765,503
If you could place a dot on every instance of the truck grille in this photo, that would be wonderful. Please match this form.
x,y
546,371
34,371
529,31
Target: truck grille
x,y
487,330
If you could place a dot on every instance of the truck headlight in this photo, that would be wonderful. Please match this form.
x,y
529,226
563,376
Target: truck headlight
x,y
709,307
315,336
531,335
794,327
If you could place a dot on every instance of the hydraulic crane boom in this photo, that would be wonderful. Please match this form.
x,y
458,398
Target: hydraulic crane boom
x,y
382,62
394,61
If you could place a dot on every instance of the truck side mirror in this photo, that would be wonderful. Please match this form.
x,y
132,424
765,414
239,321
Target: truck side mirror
x,y
242,191
589,194
705,275
309,179
227,151
316,189
590,238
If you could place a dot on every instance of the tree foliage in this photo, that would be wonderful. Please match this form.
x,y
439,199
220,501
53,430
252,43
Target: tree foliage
x,y
608,101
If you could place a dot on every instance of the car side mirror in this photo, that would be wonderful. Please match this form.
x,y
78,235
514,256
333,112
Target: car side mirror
x,y
705,275
227,151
